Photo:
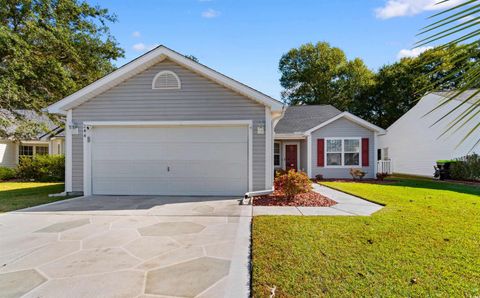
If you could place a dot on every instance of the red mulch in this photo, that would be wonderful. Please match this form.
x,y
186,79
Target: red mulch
x,y
309,199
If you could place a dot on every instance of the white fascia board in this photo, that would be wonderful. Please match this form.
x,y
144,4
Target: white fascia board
x,y
350,117
154,56
290,136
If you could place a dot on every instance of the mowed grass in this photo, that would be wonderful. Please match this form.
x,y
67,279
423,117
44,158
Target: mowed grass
x,y
19,195
424,242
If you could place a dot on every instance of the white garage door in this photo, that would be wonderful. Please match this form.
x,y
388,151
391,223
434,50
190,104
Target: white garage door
x,y
179,160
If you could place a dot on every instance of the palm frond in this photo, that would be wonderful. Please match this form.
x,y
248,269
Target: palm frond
x,y
446,30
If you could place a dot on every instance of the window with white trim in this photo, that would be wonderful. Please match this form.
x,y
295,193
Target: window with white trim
x,y
276,154
41,150
342,152
25,150
166,79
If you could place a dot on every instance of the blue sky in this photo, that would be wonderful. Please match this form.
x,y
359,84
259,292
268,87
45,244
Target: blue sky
x,y
245,39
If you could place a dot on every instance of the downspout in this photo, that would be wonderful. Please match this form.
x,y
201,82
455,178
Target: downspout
x,y
275,119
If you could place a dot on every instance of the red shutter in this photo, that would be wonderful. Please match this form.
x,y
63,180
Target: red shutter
x,y
365,152
320,152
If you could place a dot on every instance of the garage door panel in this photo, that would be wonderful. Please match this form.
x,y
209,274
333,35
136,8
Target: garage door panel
x,y
166,151
159,169
170,160
151,186
172,134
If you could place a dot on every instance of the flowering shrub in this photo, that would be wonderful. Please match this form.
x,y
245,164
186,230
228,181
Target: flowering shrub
x,y
292,183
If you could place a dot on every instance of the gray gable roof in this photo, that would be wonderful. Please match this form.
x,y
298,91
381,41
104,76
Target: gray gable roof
x,y
299,119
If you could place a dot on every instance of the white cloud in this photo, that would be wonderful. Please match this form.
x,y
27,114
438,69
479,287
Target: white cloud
x,y
400,8
140,47
412,53
136,34
210,13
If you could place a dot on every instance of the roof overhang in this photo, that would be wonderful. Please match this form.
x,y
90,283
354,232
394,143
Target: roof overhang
x,y
147,60
290,136
350,117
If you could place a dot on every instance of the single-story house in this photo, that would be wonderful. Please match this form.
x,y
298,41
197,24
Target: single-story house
x,y
413,144
322,140
49,142
164,124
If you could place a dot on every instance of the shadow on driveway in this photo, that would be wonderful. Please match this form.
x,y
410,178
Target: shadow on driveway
x,y
147,205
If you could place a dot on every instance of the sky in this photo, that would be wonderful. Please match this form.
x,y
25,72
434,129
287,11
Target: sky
x,y
245,39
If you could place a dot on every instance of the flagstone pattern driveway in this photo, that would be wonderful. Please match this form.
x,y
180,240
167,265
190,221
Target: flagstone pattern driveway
x,y
127,247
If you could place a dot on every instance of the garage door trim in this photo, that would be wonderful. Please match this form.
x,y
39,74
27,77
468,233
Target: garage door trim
x,y
87,150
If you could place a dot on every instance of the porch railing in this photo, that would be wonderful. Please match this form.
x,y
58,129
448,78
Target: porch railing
x,y
385,166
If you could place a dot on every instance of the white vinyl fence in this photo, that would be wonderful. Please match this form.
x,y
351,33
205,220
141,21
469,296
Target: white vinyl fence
x,y
385,166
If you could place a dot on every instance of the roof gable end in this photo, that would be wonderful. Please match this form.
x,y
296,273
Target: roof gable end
x,y
147,60
350,117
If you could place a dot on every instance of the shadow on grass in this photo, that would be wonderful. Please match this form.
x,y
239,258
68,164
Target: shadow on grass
x,y
438,185
31,191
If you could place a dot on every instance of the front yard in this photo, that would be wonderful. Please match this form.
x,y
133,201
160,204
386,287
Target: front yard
x,y
18,195
425,242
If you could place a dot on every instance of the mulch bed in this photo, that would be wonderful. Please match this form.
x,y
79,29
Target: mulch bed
x,y
309,199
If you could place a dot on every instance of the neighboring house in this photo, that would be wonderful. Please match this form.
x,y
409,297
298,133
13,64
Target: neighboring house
x,y
322,140
51,142
413,143
164,124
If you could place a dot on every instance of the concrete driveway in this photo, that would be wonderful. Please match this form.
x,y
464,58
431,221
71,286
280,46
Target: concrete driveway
x,y
125,246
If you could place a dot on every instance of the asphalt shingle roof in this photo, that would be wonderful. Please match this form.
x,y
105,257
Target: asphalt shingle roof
x,y
299,119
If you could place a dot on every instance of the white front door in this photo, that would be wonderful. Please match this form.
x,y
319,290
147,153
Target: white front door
x,y
169,160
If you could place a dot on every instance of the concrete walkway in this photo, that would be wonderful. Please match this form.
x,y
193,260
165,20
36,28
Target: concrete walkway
x,y
347,205
131,246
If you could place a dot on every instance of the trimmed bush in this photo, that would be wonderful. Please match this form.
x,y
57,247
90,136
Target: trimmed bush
x,y
45,168
7,173
292,183
466,168
382,176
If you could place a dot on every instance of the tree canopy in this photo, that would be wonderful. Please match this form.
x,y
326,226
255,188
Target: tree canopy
x,y
51,48
320,74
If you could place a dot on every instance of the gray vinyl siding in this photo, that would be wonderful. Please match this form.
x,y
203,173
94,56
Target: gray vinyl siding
x,y
198,99
303,155
337,129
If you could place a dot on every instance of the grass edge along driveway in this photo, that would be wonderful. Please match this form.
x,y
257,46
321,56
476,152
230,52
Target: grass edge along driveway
x,y
424,242
19,195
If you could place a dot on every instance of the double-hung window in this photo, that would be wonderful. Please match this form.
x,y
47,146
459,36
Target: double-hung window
x,y
25,150
342,152
41,150
276,154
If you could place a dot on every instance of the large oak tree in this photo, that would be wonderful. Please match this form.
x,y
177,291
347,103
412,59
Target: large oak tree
x,y
51,48
321,74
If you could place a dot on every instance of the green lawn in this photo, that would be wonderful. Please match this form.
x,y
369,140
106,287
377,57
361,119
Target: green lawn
x,y
18,195
424,242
